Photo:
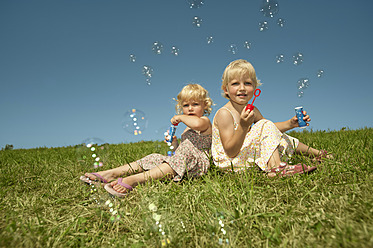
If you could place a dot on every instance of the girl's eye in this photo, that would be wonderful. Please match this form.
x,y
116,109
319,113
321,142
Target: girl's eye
x,y
185,106
247,83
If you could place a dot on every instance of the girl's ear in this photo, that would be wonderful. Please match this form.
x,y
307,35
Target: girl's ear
x,y
225,89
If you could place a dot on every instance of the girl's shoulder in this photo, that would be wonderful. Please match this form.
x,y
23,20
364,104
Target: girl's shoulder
x,y
224,115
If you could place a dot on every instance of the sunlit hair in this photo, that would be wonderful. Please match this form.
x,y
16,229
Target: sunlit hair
x,y
194,92
236,70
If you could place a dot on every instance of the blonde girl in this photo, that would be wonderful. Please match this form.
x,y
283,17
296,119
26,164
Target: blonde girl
x,y
190,158
244,138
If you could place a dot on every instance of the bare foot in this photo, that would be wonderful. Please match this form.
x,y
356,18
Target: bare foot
x,y
323,154
120,186
101,176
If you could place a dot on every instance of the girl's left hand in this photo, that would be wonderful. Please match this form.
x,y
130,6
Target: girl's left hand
x,y
294,121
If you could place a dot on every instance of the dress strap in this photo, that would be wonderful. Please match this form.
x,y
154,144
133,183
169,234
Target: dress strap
x,y
234,120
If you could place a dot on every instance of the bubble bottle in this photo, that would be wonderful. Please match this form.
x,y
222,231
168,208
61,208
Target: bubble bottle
x,y
300,116
170,137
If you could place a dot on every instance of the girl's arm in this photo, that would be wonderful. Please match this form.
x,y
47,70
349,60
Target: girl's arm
x,y
194,122
292,123
231,139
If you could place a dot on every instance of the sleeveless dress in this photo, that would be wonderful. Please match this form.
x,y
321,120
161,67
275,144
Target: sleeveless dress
x,y
190,159
259,144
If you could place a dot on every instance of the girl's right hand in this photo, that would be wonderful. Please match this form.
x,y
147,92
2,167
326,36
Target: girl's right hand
x,y
175,120
247,118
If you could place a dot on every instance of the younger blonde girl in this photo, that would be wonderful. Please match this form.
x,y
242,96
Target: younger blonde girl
x,y
190,158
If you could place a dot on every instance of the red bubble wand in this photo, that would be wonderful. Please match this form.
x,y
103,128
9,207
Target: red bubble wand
x,y
251,106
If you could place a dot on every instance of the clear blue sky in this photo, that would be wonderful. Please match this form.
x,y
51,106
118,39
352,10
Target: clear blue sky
x,y
66,75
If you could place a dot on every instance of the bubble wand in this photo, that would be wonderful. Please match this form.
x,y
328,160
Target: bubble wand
x,y
251,106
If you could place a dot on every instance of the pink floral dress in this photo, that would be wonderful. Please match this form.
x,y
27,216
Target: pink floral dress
x,y
190,159
259,144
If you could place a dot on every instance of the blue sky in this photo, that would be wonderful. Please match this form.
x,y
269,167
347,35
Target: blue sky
x,y
66,75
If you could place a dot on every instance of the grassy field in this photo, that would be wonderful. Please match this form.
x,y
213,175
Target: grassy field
x,y
43,203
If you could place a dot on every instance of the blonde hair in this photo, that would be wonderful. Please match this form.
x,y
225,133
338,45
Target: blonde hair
x,y
194,92
237,69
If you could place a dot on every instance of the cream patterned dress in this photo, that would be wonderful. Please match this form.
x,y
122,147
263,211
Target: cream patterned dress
x,y
190,159
259,144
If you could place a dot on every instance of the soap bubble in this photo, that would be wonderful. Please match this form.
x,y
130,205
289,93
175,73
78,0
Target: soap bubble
x,y
233,48
269,8
303,83
92,151
175,51
222,233
280,58
247,44
195,4
281,22
320,73
157,47
197,21
210,39
134,122
297,58
147,71
132,58
300,93
263,26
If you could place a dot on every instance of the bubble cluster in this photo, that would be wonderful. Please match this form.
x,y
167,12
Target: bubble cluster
x,y
115,216
197,21
320,73
134,122
233,48
132,58
222,238
147,71
297,58
302,84
280,58
195,4
175,51
157,47
92,151
210,40
281,22
247,44
269,8
158,225
263,26
168,137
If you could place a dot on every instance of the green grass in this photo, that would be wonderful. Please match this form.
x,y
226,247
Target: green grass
x,y
43,204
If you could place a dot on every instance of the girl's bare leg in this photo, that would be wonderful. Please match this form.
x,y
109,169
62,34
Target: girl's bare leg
x,y
311,152
274,160
307,150
109,175
163,171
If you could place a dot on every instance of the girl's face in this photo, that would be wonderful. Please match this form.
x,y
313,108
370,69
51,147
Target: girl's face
x,y
240,90
193,108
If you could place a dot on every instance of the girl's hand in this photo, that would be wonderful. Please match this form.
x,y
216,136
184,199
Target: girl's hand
x,y
294,121
176,119
247,118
